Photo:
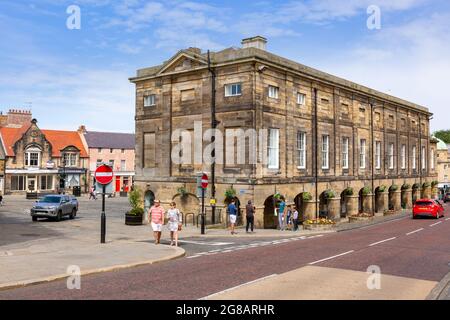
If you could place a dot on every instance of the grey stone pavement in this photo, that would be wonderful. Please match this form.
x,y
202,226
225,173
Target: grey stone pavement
x,y
41,251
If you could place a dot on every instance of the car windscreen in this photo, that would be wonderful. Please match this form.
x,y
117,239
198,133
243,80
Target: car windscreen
x,y
50,199
424,203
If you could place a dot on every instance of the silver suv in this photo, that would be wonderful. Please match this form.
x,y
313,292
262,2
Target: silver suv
x,y
55,207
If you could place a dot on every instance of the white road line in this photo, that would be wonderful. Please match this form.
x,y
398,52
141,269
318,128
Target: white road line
x,y
241,285
191,257
374,244
447,219
412,232
207,243
435,224
329,258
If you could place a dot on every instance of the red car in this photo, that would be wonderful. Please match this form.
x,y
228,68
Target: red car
x,y
428,208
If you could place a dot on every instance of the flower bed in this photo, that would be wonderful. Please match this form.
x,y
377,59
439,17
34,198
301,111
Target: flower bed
x,y
318,224
389,212
360,217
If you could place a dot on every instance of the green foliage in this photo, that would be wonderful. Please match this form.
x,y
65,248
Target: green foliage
x,y
406,186
382,188
393,188
230,193
366,191
306,196
434,183
134,198
330,194
426,185
444,135
348,191
182,191
416,186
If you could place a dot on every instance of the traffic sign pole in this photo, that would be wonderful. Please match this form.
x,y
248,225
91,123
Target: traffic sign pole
x,y
103,175
103,219
203,210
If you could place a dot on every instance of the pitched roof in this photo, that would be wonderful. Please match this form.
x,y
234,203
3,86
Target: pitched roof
x,y
10,136
58,139
63,139
111,140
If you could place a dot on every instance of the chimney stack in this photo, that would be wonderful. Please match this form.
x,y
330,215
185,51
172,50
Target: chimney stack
x,y
254,42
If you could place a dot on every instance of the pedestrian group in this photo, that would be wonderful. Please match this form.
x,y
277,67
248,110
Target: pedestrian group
x,y
157,214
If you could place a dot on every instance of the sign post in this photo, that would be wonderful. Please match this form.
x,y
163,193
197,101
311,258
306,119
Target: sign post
x,y
204,186
104,176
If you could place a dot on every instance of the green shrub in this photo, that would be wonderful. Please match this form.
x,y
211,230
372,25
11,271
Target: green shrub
x,y
330,194
406,186
393,188
182,191
230,193
348,191
366,191
306,196
434,183
134,198
416,186
426,185
382,188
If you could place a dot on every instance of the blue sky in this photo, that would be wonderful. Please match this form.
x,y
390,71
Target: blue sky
x,y
75,77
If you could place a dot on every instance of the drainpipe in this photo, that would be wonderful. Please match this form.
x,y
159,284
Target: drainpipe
x,y
213,138
316,173
373,156
420,151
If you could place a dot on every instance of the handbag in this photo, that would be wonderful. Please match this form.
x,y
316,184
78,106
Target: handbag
x,y
275,213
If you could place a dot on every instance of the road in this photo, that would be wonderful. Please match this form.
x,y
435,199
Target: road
x,y
406,248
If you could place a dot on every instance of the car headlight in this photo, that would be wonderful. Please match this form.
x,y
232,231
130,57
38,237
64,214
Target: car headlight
x,y
51,208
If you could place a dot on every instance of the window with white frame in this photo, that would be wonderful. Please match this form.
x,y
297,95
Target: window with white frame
x,y
122,165
70,159
378,154
32,157
18,183
325,152
301,150
424,160
274,149
362,153
301,98
432,159
345,148
273,92
150,100
414,158
233,89
403,151
391,156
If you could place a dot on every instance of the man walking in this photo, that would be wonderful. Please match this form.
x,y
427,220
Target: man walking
x,y
250,215
156,216
281,215
232,212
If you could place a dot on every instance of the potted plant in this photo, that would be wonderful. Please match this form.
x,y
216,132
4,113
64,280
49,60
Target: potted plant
x,y
426,185
230,194
330,194
306,196
406,186
135,215
393,188
348,191
382,188
416,186
182,192
360,217
366,191
434,183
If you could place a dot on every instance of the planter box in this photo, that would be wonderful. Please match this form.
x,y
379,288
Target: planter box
x,y
133,220
358,219
389,213
318,227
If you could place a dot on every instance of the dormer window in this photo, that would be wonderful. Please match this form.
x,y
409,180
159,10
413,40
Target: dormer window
x,y
70,159
32,157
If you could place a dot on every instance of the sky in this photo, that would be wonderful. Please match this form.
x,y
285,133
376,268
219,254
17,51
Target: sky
x,y
74,76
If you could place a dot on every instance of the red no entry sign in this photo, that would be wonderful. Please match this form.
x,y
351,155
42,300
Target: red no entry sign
x,y
104,174
204,181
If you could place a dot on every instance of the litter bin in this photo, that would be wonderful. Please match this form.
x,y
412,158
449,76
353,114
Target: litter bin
x,y
76,191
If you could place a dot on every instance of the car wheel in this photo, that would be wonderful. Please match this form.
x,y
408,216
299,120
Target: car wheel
x,y
34,219
73,214
59,216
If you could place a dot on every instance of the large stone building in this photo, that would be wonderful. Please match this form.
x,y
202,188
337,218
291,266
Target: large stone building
x,y
322,128
115,149
443,165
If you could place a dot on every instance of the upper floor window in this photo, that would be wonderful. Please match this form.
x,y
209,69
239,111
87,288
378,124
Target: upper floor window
x,y
424,157
233,89
150,100
274,149
378,154
70,159
301,150
301,98
325,152
111,163
273,92
122,165
362,153
391,156
111,150
32,157
99,150
345,144
414,157
403,152
432,159
99,162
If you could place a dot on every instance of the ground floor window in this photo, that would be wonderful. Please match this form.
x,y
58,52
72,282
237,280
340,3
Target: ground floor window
x,y
73,180
46,182
18,183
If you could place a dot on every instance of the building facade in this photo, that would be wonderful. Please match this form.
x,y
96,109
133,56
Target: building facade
x,y
115,149
42,161
327,140
443,165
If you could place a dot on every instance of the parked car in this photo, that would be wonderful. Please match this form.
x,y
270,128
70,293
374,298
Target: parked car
x,y
428,208
74,200
54,207
446,197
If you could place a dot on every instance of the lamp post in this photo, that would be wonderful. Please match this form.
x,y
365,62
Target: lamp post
x,y
62,181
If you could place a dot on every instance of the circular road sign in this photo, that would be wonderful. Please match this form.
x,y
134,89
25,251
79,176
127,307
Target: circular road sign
x,y
204,181
104,174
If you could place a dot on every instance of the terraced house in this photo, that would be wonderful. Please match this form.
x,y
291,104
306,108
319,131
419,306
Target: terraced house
x,y
334,147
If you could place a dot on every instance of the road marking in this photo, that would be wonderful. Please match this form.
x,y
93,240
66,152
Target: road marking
x,y
374,244
329,258
207,243
412,232
239,286
191,257
447,219
435,224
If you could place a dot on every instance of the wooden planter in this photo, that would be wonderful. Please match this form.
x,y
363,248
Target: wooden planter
x,y
133,220
318,227
358,219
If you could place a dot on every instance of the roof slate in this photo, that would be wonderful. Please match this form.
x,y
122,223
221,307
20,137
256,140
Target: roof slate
x,y
111,140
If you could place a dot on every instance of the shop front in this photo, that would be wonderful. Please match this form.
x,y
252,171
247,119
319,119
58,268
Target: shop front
x,y
30,181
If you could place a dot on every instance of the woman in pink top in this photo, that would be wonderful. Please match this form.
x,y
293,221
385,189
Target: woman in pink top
x,y
156,215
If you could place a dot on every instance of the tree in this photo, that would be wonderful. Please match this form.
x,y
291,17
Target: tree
x,y
444,135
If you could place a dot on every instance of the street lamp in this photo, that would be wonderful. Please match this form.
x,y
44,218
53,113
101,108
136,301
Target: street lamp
x,y
62,180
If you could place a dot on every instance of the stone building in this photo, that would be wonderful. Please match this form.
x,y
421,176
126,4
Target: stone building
x,y
443,165
41,161
331,144
115,149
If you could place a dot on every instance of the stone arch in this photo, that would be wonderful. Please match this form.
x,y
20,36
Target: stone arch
x,y
343,210
360,201
299,204
323,205
149,198
270,221
238,205
380,206
189,203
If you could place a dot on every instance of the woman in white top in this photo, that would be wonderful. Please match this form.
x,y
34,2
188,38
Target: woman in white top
x,y
175,220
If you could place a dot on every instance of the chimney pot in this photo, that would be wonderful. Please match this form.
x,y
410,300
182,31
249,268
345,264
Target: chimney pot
x,y
255,42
